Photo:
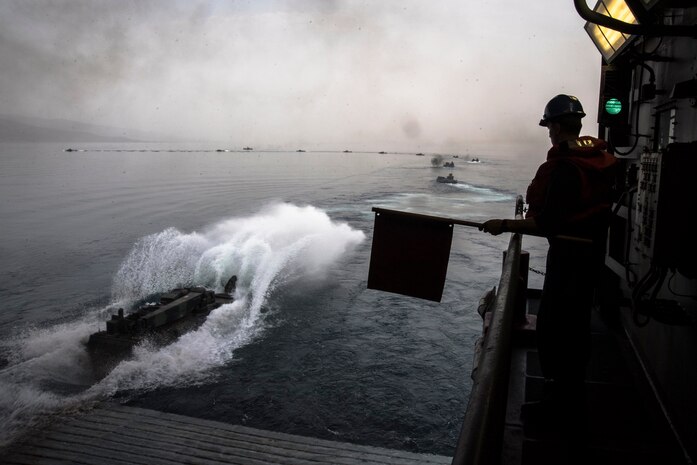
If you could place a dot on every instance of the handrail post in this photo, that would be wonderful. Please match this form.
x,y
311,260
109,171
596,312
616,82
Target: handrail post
x,y
521,307
521,317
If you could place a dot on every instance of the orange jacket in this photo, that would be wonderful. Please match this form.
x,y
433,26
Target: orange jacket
x,y
596,169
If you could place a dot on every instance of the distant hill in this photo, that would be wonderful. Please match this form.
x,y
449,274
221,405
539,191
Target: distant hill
x,y
26,129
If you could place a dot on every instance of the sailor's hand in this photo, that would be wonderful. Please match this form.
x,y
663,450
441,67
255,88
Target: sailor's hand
x,y
494,227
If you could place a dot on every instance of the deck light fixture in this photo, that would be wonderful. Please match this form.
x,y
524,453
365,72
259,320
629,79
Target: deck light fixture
x,y
609,41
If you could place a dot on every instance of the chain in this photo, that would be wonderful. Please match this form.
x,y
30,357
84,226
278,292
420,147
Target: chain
x,y
537,271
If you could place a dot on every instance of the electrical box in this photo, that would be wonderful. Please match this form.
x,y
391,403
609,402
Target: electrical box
x,y
667,206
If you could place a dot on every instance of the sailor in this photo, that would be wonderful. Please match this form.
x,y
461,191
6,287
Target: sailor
x,y
570,195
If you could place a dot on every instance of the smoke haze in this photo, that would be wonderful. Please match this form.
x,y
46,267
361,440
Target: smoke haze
x,y
394,75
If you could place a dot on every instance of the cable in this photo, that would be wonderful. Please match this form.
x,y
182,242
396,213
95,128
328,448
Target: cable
x,y
662,272
639,306
631,280
672,291
636,122
652,80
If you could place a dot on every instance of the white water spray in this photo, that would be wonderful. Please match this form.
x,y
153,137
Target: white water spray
x,y
280,244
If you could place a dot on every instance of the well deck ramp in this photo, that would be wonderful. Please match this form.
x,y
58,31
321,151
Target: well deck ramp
x,y
112,434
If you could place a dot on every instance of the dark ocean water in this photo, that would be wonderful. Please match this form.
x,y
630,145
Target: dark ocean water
x,y
306,348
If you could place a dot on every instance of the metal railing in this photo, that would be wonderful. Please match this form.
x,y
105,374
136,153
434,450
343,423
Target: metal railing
x,y
481,435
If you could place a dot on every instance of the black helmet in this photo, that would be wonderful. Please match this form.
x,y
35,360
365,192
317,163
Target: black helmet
x,y
562,105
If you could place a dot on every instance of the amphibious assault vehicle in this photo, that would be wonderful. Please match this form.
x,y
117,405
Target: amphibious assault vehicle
x,y
178,311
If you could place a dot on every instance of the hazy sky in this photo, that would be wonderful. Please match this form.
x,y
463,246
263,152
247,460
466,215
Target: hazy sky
x,y
411,75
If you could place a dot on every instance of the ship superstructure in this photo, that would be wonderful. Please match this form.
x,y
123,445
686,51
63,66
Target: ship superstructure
x,y
648,114
642,377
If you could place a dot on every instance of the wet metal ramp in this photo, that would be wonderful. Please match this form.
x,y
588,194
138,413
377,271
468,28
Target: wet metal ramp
x,y
113,434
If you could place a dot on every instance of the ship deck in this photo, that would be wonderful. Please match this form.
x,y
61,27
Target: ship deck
x,y
625,422
112,434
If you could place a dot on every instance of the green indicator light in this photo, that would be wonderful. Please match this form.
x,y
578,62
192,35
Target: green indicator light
x,y
613,106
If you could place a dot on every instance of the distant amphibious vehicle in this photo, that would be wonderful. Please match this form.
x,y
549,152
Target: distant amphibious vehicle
x,y
449,179
178,311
